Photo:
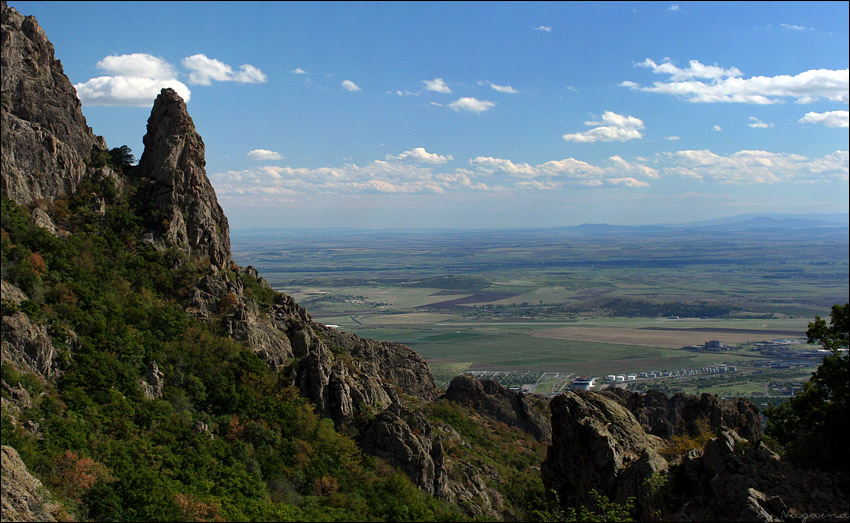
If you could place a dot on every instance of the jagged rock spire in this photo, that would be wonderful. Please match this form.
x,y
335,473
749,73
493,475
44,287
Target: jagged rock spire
x,y
45,139
176,186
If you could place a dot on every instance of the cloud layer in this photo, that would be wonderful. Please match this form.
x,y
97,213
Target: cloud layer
x,y
417,171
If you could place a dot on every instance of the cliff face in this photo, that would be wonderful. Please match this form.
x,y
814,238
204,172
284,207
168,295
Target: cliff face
x,y
45,139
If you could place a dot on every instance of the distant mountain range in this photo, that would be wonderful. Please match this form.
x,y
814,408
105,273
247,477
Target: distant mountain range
x,y
773,220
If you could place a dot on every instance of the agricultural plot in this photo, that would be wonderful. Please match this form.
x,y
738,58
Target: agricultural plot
x,y
554,302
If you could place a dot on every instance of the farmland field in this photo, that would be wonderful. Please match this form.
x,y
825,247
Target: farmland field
x,y
559,301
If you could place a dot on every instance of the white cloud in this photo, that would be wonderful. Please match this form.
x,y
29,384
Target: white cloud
x,y
758,124
127,90
348,85
829,118
717,128
796,27
264,155
503,88
137,80
727,85
753,167
138,65
674,7
545,28
468,103
613,127
419,154
204,70
437,85
298,70
568,170
694,70
672,138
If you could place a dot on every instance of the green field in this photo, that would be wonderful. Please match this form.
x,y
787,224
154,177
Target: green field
x,y
545,301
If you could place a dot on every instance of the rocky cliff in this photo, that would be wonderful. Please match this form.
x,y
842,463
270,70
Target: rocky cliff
x,y
45,139
602,441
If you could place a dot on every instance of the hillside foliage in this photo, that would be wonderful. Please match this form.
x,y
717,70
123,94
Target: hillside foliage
x,y
229,439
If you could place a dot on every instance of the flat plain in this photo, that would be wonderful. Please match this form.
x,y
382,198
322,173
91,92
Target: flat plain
x,y
585,300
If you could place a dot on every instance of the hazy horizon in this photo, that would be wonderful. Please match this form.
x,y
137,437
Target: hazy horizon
x,y
471,115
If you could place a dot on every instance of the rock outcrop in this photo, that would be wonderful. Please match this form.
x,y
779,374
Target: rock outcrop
x,y
734,479
679,414
598,444
45,139
23,497
173,187
492,400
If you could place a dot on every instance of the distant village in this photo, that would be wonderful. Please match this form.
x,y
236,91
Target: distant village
x,y
777,354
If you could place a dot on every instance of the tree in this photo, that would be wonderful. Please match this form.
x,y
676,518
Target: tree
x,y
121,157
813,426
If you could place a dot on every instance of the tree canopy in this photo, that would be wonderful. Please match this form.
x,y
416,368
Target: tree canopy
x,y
813,426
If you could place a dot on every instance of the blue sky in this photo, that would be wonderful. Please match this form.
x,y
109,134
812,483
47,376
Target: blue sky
x,y
470,115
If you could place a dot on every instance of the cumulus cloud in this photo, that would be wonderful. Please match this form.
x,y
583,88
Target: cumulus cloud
x,y
503,88
717,128
711,83
674,7
672,138
614,171
127,90
348,85
544,28
613,127
264,155
468,103
136,79
419,154
753,167
138,65
758,124
298,70
204,70
437,85
829,118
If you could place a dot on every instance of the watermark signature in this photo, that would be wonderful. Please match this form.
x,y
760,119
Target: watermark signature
x,y
815,516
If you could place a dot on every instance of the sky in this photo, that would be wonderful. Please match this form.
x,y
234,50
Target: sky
x,y
480,115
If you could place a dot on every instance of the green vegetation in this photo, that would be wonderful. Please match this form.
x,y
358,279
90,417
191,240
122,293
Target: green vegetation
x,y
813,426
229,439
